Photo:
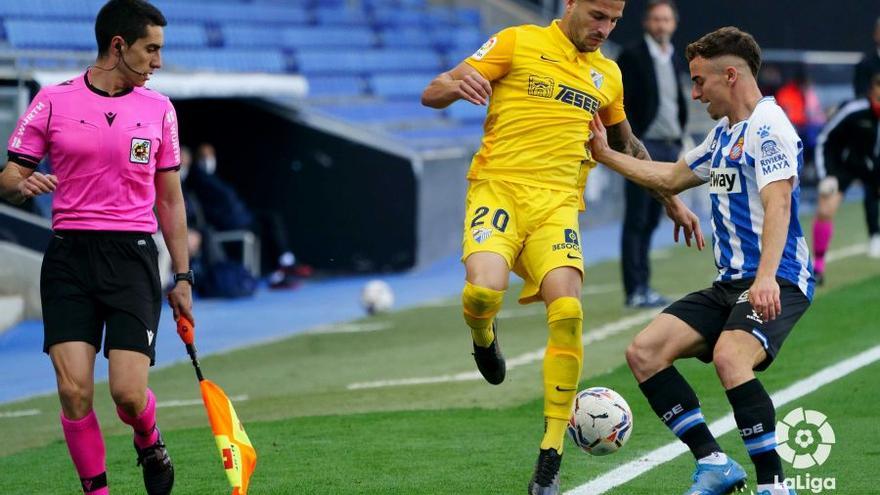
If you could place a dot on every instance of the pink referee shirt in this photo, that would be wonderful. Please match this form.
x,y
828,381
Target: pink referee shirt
x,y
104,150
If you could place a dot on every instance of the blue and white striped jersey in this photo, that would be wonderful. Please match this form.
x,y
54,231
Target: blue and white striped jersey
x,y
738,162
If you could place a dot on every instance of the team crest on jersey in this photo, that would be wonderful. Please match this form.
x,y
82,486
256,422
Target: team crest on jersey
x,y
485,49
598,78
736,151
481,234
541,86
140,151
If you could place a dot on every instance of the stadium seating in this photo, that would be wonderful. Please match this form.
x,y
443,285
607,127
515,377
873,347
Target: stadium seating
x,y
366,61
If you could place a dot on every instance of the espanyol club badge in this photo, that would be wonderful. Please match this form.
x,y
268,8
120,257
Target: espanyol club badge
x,y
736,151
140,151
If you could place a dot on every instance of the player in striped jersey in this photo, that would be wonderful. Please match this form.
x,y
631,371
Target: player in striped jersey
x,y
751,160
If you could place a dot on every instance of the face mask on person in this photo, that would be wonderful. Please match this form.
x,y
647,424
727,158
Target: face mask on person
x,y
208,164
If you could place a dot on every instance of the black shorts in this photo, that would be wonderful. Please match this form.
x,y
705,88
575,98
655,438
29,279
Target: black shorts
x,y
92,279
846,174
726,306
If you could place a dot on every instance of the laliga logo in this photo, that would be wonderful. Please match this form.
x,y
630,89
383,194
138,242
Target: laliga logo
x,y
804,438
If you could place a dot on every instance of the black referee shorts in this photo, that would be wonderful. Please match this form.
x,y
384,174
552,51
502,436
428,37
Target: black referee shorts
x,y
726,306
93,279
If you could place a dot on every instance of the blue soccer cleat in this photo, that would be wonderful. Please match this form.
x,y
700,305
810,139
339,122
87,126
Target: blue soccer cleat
x,y
713,479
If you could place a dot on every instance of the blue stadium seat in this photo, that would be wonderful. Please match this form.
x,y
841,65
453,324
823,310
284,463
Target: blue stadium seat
x,y
46,9
227,13
387,4
466,112
433,136
357,38
252,36
381,112
185,35
366,61
406,37
335,86
400,85
341,16
460,38
401,17
70,35
227,59
468,16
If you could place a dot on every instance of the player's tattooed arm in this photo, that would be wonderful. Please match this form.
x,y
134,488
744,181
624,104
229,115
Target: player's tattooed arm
x,y
622,139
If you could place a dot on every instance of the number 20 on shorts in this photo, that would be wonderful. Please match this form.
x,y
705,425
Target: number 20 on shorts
x,y
499,219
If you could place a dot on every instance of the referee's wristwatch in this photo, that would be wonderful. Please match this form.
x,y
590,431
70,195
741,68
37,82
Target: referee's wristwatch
x,y
186,276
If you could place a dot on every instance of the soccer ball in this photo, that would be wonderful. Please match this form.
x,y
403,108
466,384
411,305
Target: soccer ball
x,y
377,297
601,421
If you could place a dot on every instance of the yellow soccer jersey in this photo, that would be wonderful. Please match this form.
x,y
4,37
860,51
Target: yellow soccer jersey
x,y
544,95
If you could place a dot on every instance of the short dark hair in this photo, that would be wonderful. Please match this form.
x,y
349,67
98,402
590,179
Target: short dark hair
x,y
727,41
652,4
126,18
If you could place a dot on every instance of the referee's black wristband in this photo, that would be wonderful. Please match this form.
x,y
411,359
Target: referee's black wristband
x,y
186,276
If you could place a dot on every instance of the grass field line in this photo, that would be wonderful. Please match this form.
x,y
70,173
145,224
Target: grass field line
x,y
353,327
20,414
594,335
193,402
670,451
161,404
846,252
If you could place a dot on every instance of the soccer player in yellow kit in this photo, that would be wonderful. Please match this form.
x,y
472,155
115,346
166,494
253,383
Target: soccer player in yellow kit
x,y
543,85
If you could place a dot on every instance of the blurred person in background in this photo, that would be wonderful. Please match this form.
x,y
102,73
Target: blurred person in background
x,y
115,157
657,110
224,210
543,86
848,149
798,99
868,66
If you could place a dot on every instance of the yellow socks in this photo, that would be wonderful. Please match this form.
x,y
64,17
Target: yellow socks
x,y
480,307
562,367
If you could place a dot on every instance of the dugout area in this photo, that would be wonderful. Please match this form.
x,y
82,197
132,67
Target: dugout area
x,y
347,206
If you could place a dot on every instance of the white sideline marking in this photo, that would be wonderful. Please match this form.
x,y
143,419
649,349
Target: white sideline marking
x,y
846,252
590,336
668,452
166,403
353,327
194,402
19,414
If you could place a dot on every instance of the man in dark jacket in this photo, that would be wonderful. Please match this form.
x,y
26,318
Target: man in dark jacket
x,y
657,111
848,149
869,65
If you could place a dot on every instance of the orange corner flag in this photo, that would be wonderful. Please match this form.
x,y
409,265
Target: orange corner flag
x,y
239,456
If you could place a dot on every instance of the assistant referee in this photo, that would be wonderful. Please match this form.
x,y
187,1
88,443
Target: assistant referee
x,y
114,151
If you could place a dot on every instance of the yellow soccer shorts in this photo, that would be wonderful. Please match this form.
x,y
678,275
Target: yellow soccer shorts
x,y
534,229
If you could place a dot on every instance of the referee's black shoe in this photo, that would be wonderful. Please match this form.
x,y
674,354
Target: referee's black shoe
x,y
489,360
158,469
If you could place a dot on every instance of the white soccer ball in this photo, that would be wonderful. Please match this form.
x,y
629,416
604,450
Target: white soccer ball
x,y
601,421
377,297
